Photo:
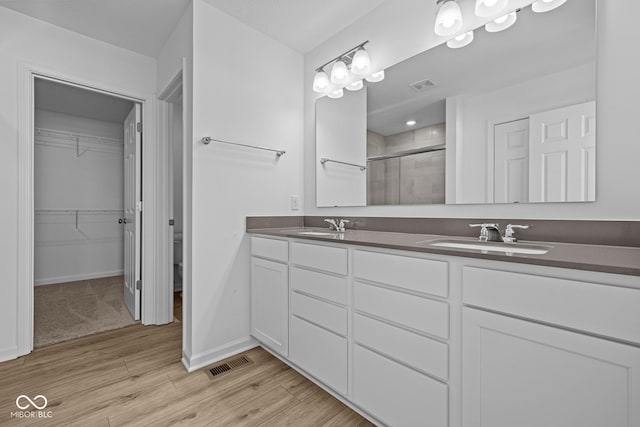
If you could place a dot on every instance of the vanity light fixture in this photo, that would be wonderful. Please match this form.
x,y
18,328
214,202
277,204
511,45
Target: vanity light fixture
x,y
376,77
448,19
321,82
339,73
461,41
361,62
487,8
501,23
546,5
357,85
335,93
347,71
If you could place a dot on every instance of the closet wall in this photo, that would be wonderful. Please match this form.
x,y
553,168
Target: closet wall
x,y
79,191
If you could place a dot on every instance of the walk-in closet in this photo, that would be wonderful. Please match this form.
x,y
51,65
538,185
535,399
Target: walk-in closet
x,y
79,189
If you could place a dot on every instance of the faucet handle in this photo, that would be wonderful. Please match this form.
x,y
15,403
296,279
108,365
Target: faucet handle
x,y
484,231
332,222
509,234
342,223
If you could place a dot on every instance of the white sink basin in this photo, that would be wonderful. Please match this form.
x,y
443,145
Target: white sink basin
x,y
506,248
316,233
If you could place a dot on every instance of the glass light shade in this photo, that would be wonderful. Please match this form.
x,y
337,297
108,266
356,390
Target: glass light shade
x,y
335,93
361,62
487,8
357,85
460,41
546,5
501,23
321,82
411,123
376,77
449,19
339,73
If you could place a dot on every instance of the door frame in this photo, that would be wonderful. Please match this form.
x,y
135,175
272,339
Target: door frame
x,y
25,281
176,83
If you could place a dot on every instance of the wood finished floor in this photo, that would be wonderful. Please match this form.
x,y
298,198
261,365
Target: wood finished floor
x,y
134,377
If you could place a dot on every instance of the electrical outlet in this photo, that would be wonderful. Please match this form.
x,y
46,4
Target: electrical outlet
x,y
295,203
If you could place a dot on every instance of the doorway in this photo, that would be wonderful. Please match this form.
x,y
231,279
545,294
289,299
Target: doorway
x,y
87,195
173,130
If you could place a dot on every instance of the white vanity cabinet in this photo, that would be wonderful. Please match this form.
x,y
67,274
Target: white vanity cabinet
x,y
571,358
418,339
400,350
270,293
319,312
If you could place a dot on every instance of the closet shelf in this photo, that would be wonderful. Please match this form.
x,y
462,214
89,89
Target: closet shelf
x,y
80,142
79,211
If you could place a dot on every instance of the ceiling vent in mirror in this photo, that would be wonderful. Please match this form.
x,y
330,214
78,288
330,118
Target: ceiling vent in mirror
x,y
422,85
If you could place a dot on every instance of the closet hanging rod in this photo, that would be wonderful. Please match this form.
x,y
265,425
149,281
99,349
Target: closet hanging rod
x,y
325,160
404,153
207,139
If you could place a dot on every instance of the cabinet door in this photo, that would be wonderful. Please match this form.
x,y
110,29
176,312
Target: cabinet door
x,y
519,373
270,304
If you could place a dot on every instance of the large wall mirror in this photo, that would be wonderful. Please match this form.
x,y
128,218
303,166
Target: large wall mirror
x,y
509,118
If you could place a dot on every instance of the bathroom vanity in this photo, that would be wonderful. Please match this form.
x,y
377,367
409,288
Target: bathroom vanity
x,y
412,334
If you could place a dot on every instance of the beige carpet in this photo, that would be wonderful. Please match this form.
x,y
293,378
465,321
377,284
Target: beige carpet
x,y
75,309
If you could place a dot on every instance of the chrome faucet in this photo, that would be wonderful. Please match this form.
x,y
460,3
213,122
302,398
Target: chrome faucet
x,y
338,225
510,235
489,232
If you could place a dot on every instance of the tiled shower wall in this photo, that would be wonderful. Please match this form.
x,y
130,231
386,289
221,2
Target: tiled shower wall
x,y
414,179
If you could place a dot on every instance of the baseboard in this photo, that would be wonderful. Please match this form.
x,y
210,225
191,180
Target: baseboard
x,y
200,360
77,277
8,354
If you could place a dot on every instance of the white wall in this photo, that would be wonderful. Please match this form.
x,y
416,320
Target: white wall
x,y
179,49
572,86
64,181
36,42
400,29
246,88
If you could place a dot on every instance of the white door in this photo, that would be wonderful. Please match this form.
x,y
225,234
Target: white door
x,y
511,162
519,373
132,210
270,304
562,154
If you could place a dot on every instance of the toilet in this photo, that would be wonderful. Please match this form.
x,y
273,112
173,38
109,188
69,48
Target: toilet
x,y
177,262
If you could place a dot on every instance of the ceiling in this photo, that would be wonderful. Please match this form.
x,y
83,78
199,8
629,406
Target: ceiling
x,y
66,99
144,26
299,24
538,44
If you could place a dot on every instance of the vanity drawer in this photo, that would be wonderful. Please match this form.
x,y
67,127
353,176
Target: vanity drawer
x,y
396,395
320,353
327,258
416,274
319,312
321,285
414,350
601,309
429,316
270,248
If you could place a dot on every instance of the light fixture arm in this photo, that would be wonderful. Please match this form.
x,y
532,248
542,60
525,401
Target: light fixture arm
x,y
347,56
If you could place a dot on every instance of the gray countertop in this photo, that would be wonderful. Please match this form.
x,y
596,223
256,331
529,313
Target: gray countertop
x,y
607,259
